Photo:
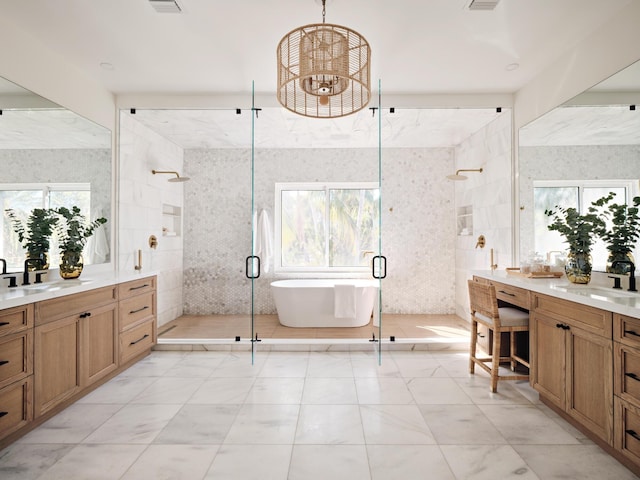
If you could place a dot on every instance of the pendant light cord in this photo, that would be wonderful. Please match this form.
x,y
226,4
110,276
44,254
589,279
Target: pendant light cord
x,y
324,10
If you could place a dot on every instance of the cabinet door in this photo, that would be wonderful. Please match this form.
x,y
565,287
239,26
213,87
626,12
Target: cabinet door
x,y
56,355
99,348
548,358
590,381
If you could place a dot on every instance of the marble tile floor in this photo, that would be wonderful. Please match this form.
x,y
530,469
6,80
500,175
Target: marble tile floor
x,y
306,416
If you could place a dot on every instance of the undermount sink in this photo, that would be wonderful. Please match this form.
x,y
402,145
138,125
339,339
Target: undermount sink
x,y
606,292
53,286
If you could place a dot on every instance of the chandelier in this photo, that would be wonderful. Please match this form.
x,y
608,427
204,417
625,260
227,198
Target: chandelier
x,y
324,70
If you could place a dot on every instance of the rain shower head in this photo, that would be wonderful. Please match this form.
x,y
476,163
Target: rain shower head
x,y
177,179
457,175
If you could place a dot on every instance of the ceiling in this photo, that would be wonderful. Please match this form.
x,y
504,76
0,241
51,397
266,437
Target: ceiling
x,y
215,46
220,48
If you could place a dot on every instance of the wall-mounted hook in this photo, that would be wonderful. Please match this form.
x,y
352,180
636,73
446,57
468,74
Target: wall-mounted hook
x,y
153,241
481,241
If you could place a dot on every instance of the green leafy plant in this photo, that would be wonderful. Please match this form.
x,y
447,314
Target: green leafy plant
x,y
35,233
624,231
579,231
73,230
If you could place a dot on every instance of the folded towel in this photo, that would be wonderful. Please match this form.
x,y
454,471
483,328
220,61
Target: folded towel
x,y
344,298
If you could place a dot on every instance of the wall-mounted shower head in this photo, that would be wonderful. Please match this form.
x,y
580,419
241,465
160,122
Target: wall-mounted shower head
x,y
177,179
457,175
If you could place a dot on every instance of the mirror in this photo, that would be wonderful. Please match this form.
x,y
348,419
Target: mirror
x,y
592,140
49,149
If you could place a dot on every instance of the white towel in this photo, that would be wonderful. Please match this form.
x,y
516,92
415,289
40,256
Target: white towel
x,y
344,298
97,246
263,239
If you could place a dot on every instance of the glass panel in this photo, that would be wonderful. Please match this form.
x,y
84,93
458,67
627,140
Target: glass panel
x,y
22,202
354,226
546,198
303,228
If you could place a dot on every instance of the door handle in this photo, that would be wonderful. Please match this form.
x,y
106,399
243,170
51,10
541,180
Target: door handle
x,y
254,260
382,267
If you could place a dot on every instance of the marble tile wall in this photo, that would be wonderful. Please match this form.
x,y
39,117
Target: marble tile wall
x,y
141,196
418,222
489,194
599,162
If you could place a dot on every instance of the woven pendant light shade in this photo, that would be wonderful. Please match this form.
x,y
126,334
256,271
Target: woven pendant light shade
x,y
324,71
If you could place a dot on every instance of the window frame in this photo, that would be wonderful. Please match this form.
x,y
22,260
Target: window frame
x,y
631,190
44,188
315,186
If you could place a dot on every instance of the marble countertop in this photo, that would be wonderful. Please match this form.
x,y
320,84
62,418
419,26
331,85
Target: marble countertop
x,y
594,295
36,292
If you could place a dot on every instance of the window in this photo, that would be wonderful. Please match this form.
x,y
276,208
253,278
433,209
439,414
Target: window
x,y
23,198
326,227
579,195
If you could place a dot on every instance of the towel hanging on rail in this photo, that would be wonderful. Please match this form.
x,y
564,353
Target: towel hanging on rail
x,y
263,238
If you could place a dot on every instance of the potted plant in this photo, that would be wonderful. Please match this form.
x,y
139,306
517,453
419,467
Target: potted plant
x,y
579,231
34,235
620,232
73,231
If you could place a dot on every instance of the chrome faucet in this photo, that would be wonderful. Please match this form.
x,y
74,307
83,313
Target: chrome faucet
x,y
632,273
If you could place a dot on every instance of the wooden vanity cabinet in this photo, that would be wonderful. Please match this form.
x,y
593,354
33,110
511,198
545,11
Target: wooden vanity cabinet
x,y
137,312
626,336
55,351
75,344
572,361
16,369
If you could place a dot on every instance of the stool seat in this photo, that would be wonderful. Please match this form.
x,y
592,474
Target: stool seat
x,y
509,317
484,309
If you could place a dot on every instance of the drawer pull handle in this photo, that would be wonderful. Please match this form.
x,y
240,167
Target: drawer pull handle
x,y
2,324
4,362
633,434
633,375
138,310
140,339
563,326
631,332
138,287
85,314
2,414
507,293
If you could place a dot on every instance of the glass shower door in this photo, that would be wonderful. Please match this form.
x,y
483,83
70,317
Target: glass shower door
x,y
316,187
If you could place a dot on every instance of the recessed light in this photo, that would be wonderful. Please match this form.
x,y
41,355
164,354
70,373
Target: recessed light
x,y
511,67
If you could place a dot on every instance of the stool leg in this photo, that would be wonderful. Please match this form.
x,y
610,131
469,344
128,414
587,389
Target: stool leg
x,y
512,349
495,360
474,343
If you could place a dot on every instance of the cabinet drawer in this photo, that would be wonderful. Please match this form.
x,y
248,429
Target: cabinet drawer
x,y
135,309
57,308
627,373
627,429
16,357
136,340
16,406
513,295
626,330
588,318
136,287
16,319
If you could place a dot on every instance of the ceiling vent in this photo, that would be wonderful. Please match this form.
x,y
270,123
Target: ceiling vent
x,y
483,4
165,6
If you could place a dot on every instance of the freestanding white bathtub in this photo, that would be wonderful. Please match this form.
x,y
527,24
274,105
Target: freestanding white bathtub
x,y
316,302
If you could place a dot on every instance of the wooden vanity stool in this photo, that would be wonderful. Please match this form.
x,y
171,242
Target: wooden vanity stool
x,y
485,310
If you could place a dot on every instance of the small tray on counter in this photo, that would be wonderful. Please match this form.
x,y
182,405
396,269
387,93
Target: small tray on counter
x,y
516,271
